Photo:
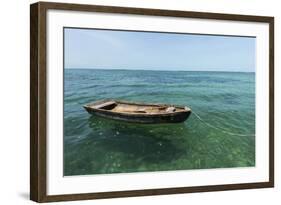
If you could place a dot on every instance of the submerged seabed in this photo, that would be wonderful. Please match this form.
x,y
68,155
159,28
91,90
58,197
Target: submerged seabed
x,y
93,145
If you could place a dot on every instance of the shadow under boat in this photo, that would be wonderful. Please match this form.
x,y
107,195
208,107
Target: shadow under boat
x,y
151,143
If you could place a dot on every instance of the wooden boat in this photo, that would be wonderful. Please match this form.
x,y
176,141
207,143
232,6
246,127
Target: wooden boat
x,y
138,112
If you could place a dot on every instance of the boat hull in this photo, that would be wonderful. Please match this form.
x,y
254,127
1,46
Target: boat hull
x,y
176,117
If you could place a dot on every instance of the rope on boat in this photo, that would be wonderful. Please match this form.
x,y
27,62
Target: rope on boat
x,y
219,128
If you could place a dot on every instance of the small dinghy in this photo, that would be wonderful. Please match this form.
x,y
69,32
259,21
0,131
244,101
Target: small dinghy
x,y
138,112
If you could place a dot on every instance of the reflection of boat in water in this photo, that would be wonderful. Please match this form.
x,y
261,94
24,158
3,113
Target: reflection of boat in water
x,y
138,112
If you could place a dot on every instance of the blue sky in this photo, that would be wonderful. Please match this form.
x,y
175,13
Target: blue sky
x,y
107,49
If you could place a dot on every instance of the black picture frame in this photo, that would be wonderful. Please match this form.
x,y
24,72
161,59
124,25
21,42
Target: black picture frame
x,y
38,102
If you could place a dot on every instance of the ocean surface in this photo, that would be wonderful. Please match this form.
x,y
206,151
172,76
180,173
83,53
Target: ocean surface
x,y
223,138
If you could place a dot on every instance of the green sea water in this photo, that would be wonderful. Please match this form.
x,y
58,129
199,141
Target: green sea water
x,y
94,145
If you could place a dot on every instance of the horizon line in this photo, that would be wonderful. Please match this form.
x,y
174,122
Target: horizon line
x,y
72,68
